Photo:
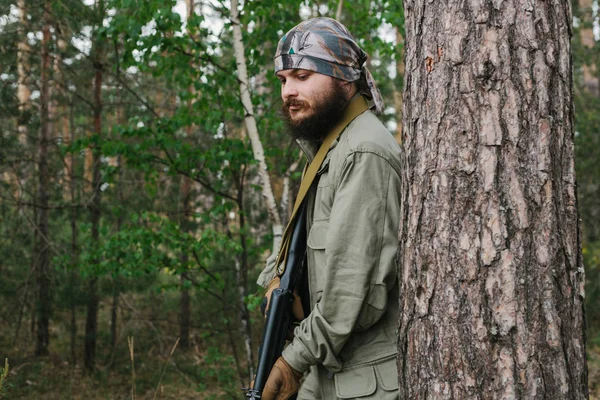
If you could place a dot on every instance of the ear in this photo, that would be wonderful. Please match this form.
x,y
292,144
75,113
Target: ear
x,y
350,88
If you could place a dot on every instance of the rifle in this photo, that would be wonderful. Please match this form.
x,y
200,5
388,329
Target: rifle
x,y
279,314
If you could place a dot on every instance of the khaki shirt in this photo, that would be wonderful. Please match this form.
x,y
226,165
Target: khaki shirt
x,y
352,224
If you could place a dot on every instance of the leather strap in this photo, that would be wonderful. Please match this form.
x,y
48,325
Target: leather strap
x,y
354,109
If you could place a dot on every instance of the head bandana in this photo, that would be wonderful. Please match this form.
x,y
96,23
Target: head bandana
x,y
325,46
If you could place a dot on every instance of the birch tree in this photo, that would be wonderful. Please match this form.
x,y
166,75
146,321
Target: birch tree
x,y
23,91
490,261
250,122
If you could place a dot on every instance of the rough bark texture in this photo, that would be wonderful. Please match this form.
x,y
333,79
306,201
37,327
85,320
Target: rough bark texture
x,y
42,251
490,262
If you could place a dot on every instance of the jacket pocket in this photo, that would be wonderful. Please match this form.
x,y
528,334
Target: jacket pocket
x,y
373,308
362,381
387,375
318,235
355,382
316,243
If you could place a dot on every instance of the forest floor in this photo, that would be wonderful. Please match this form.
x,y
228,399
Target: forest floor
x,y
200,373
54,379
204,371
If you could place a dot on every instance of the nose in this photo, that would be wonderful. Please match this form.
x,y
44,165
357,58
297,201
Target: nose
x,y
288,89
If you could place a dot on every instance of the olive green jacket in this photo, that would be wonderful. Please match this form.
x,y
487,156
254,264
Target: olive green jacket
x,y
352,225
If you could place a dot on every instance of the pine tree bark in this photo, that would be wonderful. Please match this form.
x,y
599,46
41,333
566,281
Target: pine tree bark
x,y
42,253
490,264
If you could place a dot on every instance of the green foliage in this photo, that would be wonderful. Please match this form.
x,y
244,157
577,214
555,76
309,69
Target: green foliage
x,y
180,200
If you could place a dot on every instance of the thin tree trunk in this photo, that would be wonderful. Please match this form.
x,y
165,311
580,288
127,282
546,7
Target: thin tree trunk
x,y
590,71
232,344
114,316
73,274
340,9
251,127
23,91
184,310
91,325
241,267
491,275
286,206
398,88
185,221
184,305
42,269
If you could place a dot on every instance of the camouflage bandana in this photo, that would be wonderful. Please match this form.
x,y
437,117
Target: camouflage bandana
x,y
325,46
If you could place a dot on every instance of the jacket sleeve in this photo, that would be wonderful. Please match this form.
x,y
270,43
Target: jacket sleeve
x,y
268,272
360,247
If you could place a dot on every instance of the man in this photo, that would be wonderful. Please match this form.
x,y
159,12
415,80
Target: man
x,y
346,345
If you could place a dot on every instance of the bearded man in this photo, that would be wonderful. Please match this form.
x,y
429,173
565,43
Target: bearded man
x,y
346,345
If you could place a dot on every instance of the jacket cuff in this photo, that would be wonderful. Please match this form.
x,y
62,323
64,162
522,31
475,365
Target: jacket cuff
x,y
293,355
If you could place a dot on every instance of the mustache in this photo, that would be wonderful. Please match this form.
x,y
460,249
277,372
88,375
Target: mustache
x,y
294,103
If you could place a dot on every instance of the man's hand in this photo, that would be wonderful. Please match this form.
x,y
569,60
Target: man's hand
x,y
283,381
296,305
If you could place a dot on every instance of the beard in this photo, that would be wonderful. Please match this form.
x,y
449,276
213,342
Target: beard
x,y
323,113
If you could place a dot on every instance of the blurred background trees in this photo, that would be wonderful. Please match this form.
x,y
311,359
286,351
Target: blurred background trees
x,y
131,203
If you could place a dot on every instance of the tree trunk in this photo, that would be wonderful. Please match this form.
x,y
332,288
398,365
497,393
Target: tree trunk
x,y
42,269
72,196
184,305
184,311
251,127
23,91
590,72
113,314
398,88
92,306
490,262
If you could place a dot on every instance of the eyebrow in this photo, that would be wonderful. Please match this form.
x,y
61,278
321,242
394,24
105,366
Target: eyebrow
x,y
293,72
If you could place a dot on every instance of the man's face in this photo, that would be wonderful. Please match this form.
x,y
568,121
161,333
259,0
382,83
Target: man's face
x,y
312,102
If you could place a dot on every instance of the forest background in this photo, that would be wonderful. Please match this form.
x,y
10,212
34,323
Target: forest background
x,y
135,210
